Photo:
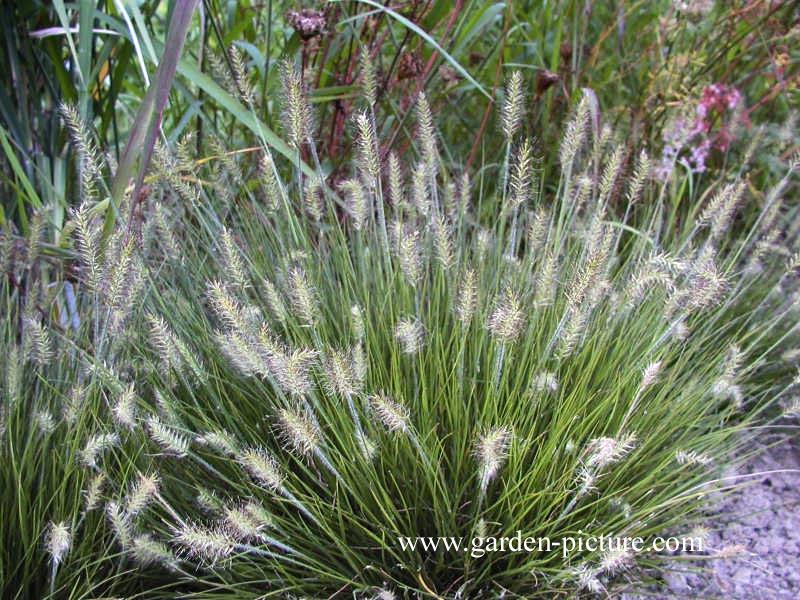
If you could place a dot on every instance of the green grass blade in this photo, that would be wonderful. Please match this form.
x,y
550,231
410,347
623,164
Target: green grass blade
x,y
425,36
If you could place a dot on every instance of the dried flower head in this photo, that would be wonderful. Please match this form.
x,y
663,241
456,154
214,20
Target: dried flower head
x,y
297,111
601,452
491,451
170,440
204,543
143,490
391,413
513,106
367,150
357,204
148,551
507,318
303,296
409,334
467,297
291,371
97,444
341,378
299,431
58,541
369,79
544,381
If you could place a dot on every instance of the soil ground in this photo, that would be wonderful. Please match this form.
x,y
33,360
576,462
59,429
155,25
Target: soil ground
x,y
756,530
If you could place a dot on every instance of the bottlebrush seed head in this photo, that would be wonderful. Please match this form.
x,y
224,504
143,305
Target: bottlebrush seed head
x,y
391,413
513,106
409,334
507,318
302,296
204,543
58,541
262,467
491,451
601,452
467,298
298,431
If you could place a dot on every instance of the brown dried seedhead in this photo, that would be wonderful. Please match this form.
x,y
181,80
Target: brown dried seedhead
x,y
308,22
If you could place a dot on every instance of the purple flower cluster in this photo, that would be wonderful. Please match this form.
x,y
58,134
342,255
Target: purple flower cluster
x,y
689,144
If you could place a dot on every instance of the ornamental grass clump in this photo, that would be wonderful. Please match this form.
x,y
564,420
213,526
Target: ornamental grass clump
x,y
324,377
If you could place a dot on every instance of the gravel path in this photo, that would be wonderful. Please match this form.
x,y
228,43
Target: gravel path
x,y
758,527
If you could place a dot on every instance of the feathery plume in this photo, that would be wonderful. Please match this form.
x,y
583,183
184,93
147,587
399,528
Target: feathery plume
x,y
396,186
341,379
357,204
98,443
507,318
232,264
148,551
366,147
575,133
358,322
291,371
92,494
546,281
491,451
45,422
297,111
610,174
369,79
58,541
299,431
226,308
142,491
391,413
313,198
615,559
262,467
409,334
167,437
443,242
426,131
270,187
603,451
88,155
640,175
467,297
409,254
420,192
220,440
204,543
690,457
649,375
544,381
36,343
522,175
718,214
86,237
120,524
275,301
513,106
302,296
537,232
